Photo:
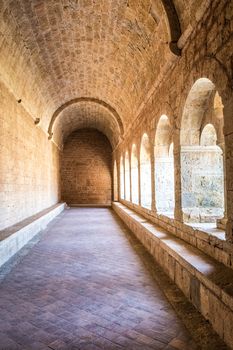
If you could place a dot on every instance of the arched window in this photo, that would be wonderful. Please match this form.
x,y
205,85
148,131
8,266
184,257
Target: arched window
x,y
122,179
210,168
145,172
134,175
115,182
202,171
127,177
164,167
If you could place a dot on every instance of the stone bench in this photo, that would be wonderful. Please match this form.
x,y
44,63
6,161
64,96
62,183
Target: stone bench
x,y
207,283
206,237
15,237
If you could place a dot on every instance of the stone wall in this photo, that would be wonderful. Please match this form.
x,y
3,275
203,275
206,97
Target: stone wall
x,y
86,168
29,164
206,52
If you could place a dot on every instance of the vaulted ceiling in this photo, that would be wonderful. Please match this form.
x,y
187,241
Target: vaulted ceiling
x,y
103,55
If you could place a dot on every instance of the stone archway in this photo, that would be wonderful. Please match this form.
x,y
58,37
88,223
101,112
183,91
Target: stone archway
x,y
202,174
164,167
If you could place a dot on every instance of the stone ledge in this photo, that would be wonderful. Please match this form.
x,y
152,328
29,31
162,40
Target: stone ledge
x,y
207,283
90,205
15,237
210,241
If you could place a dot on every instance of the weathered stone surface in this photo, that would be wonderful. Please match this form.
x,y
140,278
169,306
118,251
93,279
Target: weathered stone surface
x,y
118,67
205,281
86,175
29,164
15,237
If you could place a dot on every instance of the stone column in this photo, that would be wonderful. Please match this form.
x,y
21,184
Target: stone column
x,y
228,132
222,222
139,175
118,177
178,214
152,157
130,175
113,182
123,157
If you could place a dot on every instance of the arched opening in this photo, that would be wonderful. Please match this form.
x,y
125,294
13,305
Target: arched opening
x,y
115,182
109,110
145,172
122,178
127,177
164,167
202,167
86,169
134,175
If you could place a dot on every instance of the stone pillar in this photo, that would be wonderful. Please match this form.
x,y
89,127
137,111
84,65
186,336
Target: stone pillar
x,y
228,132
178,214
123,157
113,178
130,176
222,222
118,177
139,175
152,157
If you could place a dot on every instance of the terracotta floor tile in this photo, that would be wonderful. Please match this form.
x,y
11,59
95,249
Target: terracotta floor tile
x,y
83,286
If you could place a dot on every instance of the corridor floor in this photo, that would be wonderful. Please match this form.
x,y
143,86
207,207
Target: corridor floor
x,y
83,286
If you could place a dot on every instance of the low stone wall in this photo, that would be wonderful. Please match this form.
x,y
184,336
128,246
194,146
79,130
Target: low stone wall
x,y
211,241
206,282
15,237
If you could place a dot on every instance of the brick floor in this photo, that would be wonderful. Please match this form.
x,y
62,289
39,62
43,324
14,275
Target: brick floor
x,y
84,286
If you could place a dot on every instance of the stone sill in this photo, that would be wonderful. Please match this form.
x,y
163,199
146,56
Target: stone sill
x,y
207,283
13,238
209,229
207,238
89,205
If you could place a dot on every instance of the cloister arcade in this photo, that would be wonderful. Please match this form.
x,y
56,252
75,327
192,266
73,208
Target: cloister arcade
x,y
202,162
116,174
